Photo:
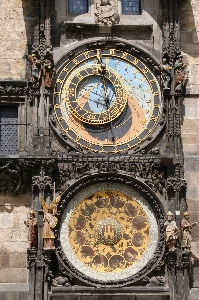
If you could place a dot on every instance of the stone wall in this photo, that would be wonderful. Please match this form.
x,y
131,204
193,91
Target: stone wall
x,y
16,22
13,246
189,24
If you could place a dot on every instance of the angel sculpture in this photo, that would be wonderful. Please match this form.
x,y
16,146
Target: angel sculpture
x,y
49,223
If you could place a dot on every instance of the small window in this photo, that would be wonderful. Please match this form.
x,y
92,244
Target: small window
x,y
131,7
78,6
8,130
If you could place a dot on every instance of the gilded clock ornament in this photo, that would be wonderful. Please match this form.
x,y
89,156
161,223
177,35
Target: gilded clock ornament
x,y
107,100
108,231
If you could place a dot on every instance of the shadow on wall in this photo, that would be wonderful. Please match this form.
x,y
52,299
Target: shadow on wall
x,y
31,16
194,266
188,19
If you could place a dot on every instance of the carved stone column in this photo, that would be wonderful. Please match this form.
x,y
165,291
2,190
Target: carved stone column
x,y
32,257
41,187
42,75
171,261
183,279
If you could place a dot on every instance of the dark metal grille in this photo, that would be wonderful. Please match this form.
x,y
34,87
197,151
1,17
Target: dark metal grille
x,y
8,130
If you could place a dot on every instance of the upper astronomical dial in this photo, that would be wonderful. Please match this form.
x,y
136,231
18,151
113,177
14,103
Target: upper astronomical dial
x,y
107,100
92,97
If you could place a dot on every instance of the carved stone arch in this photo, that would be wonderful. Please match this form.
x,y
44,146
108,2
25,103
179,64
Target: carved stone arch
x,y
127,183
62,53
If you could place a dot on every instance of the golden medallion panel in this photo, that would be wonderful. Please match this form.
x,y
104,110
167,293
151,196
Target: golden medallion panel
x,y
109,231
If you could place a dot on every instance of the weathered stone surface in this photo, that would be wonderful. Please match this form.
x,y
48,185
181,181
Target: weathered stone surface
x,y
4,260
193,196
15,28
195,281
5,235
14,287
195,247
186,36
18,260
14,247
194,294
14,275
6,220
190,139
190,126
14,201
192,163
191,108
191,178
14,295
19,235
193,203
190,149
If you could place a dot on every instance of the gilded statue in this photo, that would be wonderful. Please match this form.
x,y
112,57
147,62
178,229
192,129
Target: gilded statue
x,y
49,223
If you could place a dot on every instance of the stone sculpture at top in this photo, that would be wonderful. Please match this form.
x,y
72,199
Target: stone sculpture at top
x,y
106,12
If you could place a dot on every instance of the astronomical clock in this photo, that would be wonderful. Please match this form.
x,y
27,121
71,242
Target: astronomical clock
x,y
107,103
105,139
107,100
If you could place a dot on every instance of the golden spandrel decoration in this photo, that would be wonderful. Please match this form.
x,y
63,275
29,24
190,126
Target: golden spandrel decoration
x,y
109,231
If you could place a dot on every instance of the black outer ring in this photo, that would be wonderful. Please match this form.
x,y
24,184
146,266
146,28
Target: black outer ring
x,y
142,189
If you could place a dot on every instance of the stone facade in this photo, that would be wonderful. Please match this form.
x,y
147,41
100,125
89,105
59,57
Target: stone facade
x,y
17,19
190,118
46,156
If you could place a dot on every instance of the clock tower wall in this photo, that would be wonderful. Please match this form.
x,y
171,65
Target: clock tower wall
x,y
106,98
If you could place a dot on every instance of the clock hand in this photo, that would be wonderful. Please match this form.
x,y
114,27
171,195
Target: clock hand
x,y
102,71
107,100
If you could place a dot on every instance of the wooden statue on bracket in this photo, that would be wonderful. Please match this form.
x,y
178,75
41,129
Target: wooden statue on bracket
x,y
35,69
170,232
32,224
186,232
49,223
